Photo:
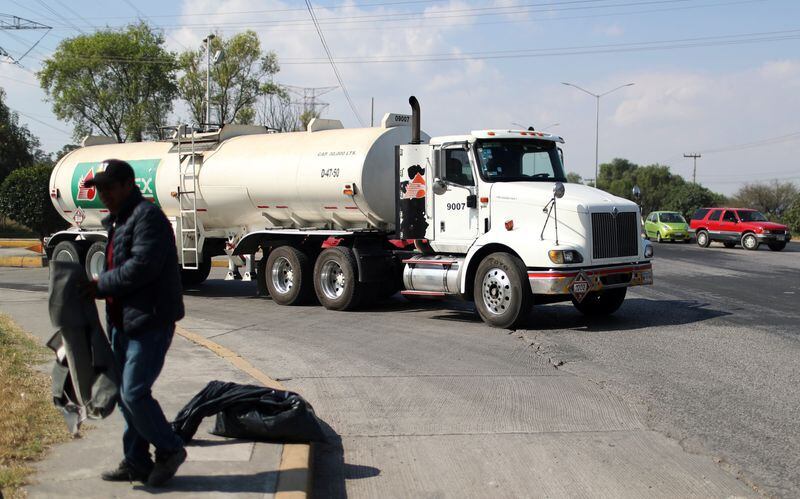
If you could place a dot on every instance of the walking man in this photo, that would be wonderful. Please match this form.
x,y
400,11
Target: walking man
x,y
141,286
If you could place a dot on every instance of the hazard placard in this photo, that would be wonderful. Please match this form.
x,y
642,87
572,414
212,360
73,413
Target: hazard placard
x,y
580,286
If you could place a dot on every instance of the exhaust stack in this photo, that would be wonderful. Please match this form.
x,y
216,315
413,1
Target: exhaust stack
x,y
415,126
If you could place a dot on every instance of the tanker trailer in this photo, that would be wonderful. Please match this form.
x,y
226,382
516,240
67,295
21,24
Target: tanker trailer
x,y
348,216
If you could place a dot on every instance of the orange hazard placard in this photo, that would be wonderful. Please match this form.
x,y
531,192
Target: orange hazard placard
x,y
416,188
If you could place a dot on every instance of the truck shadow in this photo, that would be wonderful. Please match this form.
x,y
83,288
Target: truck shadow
x,y
331,472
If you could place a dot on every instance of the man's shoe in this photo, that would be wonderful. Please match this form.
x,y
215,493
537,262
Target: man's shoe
x,y
166,467
125,473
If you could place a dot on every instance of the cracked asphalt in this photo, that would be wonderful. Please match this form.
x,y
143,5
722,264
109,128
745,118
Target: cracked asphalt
x,y
692,389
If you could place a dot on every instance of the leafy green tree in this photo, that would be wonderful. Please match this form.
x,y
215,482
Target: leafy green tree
x,y
772,199
25,198
791,216
687,197
120,83
242,75
18,146
574,178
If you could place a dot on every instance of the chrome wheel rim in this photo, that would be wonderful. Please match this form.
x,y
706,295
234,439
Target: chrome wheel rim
x,y
750,241
96,264
332,279
496,291
64,256
282,275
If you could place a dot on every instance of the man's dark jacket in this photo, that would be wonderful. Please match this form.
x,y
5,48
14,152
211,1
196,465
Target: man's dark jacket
x,y
145,278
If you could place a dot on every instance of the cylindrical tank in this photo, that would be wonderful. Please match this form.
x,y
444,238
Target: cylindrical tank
x,y
253,180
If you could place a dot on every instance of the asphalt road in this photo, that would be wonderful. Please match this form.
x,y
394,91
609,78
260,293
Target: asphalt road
x,y
691,389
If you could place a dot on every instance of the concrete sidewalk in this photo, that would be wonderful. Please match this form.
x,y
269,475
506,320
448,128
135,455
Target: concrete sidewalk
x,y
215,467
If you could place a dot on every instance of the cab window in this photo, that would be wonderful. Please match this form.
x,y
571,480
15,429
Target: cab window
x,y
457,168
715,215
729,217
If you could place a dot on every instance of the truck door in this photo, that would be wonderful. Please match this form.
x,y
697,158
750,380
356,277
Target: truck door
x,y
455,201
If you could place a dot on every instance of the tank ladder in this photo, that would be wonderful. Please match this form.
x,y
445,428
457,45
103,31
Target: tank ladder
x,y
187,199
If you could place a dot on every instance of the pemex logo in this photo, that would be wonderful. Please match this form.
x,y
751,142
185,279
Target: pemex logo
x,y
86,193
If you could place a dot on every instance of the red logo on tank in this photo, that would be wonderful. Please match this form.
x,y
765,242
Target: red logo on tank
x,y
86,193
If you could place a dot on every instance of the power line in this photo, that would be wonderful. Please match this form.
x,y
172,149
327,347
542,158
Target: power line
x,y
43,123
333,64
60,17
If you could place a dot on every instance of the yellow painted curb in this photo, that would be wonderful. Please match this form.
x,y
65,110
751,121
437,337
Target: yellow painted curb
x,y
22,261
18,243
294,472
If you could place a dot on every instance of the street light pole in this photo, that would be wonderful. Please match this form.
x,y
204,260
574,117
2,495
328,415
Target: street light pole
x,y
207,41
597,125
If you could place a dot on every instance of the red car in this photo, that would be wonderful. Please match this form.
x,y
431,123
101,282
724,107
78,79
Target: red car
x,y
732,226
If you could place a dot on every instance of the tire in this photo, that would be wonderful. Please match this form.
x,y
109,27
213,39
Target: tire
x,y
191,278
95,260
702,238
288,274
336,279
729,244
777,246
601,303
502,292
261,277
658,237
750,241
68,251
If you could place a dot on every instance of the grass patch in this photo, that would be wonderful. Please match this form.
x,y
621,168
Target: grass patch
x,y
30,423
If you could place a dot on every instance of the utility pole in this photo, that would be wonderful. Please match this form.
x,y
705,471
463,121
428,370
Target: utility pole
x,y
207,41
309,96
694,156
597,124
8,22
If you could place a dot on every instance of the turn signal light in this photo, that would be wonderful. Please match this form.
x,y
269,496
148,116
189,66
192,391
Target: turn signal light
x,y
484,200
349,190
564,256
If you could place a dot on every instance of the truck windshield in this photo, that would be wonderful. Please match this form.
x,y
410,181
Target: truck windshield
x,y
513,160
751,216
672,218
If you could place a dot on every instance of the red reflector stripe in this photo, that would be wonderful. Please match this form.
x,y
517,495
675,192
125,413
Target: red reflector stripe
x,y
330,207
351,207
202,209
281,207
262,206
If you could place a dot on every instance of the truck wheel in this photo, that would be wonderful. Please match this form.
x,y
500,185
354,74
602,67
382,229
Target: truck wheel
x,y
95,260
261,277
288,276
502,291
602,302
777,246
67,251
729,244
749,241
336,279
191,278
702,239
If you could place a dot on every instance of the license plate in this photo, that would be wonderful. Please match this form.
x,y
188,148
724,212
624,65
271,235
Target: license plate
x,y
580,287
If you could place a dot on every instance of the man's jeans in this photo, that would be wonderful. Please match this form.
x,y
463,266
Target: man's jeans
x,y
140,359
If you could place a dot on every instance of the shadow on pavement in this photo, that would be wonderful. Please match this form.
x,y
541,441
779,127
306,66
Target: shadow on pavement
x,y
227,484
330,470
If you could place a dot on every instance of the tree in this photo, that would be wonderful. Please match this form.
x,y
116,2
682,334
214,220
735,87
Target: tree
x,y
574,178
277,111
771,199
120,83
18,146
25,198
243,74
687,197
791,216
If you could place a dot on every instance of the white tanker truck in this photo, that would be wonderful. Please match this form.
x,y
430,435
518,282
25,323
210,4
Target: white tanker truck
x,y
353,215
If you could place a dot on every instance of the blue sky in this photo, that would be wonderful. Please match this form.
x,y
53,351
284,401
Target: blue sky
x,y
735,102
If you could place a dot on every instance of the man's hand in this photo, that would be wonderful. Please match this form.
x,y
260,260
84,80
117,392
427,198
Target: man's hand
x,y
89,290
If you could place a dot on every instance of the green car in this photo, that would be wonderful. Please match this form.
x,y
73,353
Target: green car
x,y
666,226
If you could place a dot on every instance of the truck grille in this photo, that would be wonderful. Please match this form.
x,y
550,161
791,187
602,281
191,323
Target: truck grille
x,y
614,237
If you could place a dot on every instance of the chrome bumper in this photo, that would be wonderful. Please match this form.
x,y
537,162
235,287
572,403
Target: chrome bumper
x,y
559,282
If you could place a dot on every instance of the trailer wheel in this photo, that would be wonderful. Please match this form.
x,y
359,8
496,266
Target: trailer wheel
x,y
601,303
288,276
502,292
191,278
95,260
67,251
336,279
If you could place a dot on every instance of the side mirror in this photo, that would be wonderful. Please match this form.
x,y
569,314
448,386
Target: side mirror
x,y
637,193
439,187
558,190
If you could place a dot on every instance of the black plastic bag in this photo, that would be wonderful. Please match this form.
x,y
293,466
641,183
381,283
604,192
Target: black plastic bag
x,y
250,412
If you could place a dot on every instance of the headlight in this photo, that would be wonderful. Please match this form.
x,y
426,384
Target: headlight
x,y
648,251
765,231
667,227
565,256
